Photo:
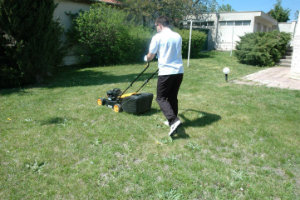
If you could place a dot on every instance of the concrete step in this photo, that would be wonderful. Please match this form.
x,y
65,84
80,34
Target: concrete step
x,y
287,57
288,61
283,64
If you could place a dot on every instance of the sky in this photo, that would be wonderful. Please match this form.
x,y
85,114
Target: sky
x,y
262,5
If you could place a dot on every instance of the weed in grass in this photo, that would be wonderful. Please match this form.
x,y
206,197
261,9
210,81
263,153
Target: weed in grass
x,y
36,167
167,140
193,147
237,175
172,195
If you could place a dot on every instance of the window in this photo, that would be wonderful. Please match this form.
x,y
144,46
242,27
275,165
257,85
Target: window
x,y
203,24
246,23
235,23
259,27
210,23
222,23
230,23
239,23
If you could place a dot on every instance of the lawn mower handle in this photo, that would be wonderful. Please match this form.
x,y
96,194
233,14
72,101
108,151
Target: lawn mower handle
x,y
146,67
147,81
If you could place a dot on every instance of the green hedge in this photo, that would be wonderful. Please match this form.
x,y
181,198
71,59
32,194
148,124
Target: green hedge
x,y
103,35
197,42
262,49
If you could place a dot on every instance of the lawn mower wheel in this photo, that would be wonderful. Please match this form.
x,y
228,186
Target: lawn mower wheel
x,y
101,101
117,108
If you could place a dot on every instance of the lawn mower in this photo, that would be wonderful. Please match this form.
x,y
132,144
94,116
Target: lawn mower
x,y
134,103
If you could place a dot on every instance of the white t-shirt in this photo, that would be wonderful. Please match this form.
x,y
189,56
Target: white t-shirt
x,y
167,45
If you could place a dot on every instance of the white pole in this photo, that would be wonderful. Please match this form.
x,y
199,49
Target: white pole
x,y
189,53
232,41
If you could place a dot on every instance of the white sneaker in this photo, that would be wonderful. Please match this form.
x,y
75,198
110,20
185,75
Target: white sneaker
x,y
167,123
174,128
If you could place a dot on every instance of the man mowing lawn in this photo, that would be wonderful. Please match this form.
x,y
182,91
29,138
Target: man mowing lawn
x,y
167,45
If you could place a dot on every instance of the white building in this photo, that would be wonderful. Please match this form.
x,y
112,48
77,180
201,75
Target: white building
x,y
223,29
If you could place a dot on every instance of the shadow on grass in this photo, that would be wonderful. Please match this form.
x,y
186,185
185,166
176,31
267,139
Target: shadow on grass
x,y
86,75
205,55
54,121
73,76
152,111
204,119
20,91
181,134
201,55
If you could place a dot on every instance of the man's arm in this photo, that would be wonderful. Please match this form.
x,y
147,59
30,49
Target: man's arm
x,y
150,56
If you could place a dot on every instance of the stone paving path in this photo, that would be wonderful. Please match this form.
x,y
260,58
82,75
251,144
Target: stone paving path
x,y
272,77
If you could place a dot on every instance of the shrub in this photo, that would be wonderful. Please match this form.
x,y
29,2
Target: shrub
x,y
103,35
197,42
262,49
29,40
140,40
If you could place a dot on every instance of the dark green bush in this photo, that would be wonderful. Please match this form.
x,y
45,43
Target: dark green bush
x,y
197,42
140,40
262,49
103,35
29,41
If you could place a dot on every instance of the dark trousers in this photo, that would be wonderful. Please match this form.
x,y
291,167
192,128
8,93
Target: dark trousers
x,y
167,91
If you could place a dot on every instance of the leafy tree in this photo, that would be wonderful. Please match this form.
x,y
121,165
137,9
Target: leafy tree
x,y
279,13
149,10
296,14
225,8
175,10
203,6
29,41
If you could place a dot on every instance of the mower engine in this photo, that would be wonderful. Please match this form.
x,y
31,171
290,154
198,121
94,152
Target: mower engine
x,y
112,97
113,94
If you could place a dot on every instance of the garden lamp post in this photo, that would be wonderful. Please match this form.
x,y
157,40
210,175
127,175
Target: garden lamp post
x,y
226,71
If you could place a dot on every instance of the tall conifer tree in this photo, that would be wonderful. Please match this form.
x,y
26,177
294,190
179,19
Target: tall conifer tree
x,y
29,39
279,13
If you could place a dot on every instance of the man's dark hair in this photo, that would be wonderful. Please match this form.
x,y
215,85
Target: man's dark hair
x,y
163,20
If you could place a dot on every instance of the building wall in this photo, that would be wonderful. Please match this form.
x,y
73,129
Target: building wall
x,y
229,34
68,6
224,37
284,27
73,7
289,27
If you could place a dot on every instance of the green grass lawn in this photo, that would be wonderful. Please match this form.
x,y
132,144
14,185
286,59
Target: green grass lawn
x,y
236,142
